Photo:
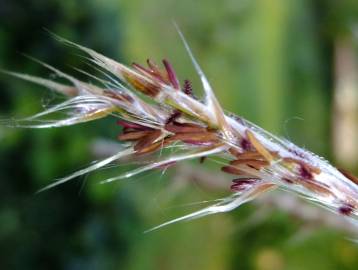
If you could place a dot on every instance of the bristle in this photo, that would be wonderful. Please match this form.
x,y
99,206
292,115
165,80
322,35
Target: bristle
x,y
61,88
96,166
210,98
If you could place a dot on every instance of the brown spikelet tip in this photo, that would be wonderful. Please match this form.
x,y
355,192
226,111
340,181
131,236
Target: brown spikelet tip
x,y
184,128
233,170
234,152
258,146
315,186
147,87
196,138
245,155
149,149
147,140
254,163
134,135
129,125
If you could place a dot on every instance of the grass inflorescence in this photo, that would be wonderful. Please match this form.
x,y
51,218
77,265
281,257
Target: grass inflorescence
x,y
157,111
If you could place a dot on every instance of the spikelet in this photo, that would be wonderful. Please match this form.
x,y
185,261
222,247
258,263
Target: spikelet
x,y
258,160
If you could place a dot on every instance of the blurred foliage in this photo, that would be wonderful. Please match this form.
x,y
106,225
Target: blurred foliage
x,y
269,60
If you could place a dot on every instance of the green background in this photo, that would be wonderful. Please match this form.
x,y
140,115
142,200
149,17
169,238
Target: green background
x,y
270,61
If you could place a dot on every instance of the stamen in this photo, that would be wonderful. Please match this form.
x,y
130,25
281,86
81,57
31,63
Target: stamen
x,y
184,128
233,170
249,155
156,72
132,136
148,87
305,173
254,163
147,140
171,74
197,138
245,144
188,88
241,184
315,186
174,116
346,209
132,125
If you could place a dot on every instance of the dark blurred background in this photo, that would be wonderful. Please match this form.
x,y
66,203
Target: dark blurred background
x,y
288,65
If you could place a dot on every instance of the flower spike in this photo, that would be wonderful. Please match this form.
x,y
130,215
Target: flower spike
x,y
170,117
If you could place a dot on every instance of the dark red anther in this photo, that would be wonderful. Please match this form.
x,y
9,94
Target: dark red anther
x,y
174,116
241,184
346,209
177,127
141,68
171,74
147,140
152,71
156,72
305,173
232,170
127,125
245,144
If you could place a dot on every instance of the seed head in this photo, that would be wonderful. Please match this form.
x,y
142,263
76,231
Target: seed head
x,y
258,160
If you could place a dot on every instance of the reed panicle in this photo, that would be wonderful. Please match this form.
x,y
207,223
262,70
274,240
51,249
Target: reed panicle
x,y
174,118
